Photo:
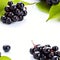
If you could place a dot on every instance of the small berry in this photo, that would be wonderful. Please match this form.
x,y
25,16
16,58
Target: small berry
x,y
36,55
20,5
3,19
10,3
55,48
31,50
15,18
13,8
8,20
10,14
7,9
20,18
6,48
24,13
49,2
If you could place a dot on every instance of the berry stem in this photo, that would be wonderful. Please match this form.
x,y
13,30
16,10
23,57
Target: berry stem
x,y
33,43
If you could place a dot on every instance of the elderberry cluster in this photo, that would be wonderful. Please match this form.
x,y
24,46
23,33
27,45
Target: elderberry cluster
x,y
51,2
45,52
14,13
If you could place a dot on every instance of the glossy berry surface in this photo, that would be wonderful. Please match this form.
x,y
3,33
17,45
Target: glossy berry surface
x,y
6,48
45,52
14,12
10,3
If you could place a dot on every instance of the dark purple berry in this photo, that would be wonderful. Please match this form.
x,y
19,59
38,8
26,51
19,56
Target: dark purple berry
x,y
6,48
47,45
7,9
36,55
24,13
10,3
20,18
20,5
10,14
13,8
15,18
8,20
55,48
49,2
31,50
3,19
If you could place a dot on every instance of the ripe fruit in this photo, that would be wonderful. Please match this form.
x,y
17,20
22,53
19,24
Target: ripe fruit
x,y
14,13
31,50
45,52
10,3
55,48
6,48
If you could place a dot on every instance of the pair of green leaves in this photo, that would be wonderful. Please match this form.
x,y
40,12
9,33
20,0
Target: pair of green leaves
x,y
54,10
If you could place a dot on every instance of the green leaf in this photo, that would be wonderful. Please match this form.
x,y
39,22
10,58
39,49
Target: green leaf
x,y
2,13
3,3
43,7
16,1
4,58
54,12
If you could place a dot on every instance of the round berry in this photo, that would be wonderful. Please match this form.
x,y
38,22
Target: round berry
x,y
47,45
20,5
10,3
7,9
49,2
36,55
24,13
31,50
8,20
6,48
15,18
3,19
13,8
20,18
10,14
55,48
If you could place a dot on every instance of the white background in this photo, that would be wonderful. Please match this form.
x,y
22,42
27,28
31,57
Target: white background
x,y
34,27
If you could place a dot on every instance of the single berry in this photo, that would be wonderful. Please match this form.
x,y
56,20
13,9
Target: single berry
x,y
47,45
3,19
31,50
8,20
15,18
10,3
49,2
6,48
36,55
55,48
20,18
7,9
24,13
13,8
20,6
10,14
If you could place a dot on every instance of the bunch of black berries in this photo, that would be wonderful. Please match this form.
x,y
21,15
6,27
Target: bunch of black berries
x,y
52,2
14,13
45,52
